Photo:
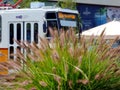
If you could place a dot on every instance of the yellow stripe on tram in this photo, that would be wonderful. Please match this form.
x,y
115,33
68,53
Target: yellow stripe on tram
x,y
3,59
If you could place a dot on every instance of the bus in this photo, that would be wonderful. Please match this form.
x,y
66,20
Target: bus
x,y
28,24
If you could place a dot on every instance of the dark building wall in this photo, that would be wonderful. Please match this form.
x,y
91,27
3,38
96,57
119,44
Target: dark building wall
x,y
94,15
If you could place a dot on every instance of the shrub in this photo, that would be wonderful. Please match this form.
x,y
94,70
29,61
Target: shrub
x,y
68,63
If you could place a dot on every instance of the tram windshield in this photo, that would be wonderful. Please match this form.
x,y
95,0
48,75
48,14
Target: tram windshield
x,y
61,20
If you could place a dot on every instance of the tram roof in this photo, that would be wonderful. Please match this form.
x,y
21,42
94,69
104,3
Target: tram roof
x,y
45,9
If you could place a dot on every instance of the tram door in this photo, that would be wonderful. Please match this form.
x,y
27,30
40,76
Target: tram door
x,y
21,31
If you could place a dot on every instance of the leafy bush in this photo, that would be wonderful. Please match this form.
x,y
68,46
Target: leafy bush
x,y
68,63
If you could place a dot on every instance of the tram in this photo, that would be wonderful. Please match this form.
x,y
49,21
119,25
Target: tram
x,y
28,24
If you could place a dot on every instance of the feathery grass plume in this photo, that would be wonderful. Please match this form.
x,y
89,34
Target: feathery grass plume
x,y
65,63
42,83
84,81
70,84
2,67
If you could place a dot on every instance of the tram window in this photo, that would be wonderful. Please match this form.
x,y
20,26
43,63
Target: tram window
x,y
36,32
11,52
0,29
52,24
18,49
11,36
65,28
51,15
28,34
18,31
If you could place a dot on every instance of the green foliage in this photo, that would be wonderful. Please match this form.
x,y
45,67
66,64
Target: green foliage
x,y
68,63
67,4
64,3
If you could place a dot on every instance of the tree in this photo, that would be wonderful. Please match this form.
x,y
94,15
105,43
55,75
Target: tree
x,y
62,3
67,4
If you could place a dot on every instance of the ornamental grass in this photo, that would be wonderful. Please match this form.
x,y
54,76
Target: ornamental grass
x,y
68,63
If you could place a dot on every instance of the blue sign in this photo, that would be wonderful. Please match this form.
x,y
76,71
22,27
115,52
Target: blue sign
x,y
91,15
19,17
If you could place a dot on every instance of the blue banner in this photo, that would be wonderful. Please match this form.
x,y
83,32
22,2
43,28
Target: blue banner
x,y
91,15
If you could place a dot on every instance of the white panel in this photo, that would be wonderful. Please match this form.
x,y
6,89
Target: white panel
x,y
68,23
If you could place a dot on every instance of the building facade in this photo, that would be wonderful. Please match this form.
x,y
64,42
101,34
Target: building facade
x,y
97,12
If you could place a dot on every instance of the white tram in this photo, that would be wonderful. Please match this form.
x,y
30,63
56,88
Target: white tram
x,y
28,24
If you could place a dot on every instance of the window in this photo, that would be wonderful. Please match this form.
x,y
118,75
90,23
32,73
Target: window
x,y
28,33
0,29
11,36
18,31
52,24
11,52
36,32
51,15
